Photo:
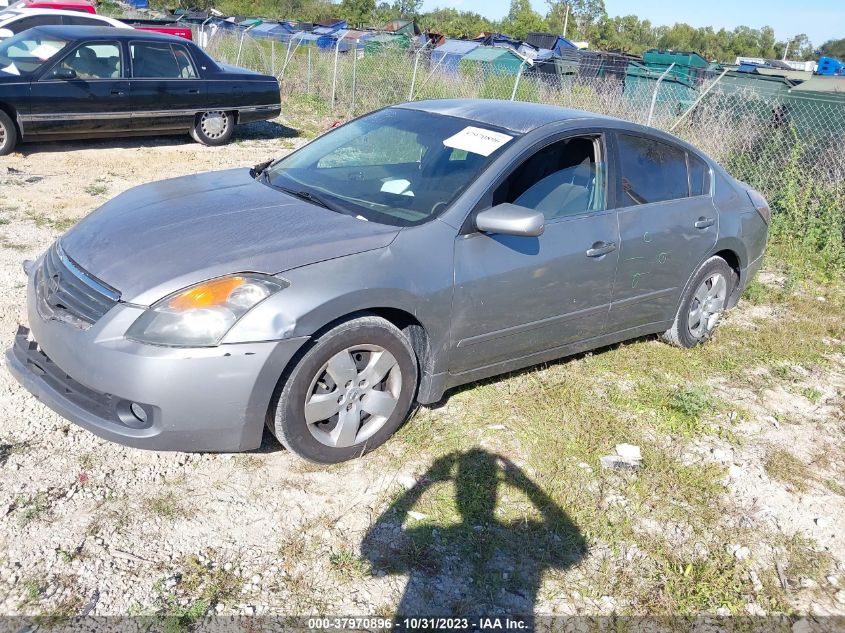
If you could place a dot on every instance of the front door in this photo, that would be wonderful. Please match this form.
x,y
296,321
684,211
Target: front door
x,y
517,296
85,92
667,223
167,91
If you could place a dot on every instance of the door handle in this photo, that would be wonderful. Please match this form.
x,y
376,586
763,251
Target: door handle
x,y
117,93
193,91
704,223
600,249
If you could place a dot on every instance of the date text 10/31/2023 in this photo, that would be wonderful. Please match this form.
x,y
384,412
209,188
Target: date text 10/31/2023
x,y
418,624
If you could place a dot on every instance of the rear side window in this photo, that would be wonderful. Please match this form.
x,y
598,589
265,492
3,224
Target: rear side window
x,y
19,26
699,176
161,60
78,20
651,171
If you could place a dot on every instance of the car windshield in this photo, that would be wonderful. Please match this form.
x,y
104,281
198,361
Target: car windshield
x,y
26,52
396,166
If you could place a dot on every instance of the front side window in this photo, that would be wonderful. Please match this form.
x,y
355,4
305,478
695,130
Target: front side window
x,y
396,166
98,60
651,171
563,179
161,60
27,52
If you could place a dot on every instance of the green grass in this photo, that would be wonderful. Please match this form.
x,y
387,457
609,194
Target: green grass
x,y
560,419
32,509
166,506
785,467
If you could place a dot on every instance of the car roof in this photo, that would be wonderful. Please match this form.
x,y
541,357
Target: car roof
x,y
85,32
517,116
27,12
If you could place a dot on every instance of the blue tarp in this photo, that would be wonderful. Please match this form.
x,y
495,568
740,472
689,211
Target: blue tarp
x,y
449,54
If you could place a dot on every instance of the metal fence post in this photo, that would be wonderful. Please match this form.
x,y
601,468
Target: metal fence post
x,y
697,101
354,76
334,78
308,74
516,81
656,90
414,76
241,45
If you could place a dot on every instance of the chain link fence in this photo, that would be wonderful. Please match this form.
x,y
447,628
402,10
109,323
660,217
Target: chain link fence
x,y
787,143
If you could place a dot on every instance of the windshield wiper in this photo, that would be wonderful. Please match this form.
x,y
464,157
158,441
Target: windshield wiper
x,y
310,197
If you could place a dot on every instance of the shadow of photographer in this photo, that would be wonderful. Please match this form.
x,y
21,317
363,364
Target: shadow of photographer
x,y
485,561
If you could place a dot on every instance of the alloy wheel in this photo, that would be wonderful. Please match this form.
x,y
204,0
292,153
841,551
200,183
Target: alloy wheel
x,y
214,124
353,395
707,305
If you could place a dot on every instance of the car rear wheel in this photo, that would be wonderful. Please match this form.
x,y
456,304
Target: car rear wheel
x,y
702,305
8,134
348,393
213,127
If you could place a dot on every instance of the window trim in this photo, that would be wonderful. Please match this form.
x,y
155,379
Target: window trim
x,y
606,149
708,191
187,50
618,171
45,75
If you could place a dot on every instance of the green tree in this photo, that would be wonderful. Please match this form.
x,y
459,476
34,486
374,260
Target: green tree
x,y
522,19
357,12
833,48
407,8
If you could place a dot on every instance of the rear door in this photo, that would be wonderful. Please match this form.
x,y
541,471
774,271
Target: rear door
x,y
94,99
667,223
166,88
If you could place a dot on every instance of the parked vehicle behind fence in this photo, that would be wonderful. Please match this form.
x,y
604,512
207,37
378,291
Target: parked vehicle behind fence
x,y
412,250
59,82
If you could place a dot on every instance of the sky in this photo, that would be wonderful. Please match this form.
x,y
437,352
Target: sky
x,y
821,20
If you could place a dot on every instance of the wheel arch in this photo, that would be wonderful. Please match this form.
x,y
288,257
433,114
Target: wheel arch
x,y
13,114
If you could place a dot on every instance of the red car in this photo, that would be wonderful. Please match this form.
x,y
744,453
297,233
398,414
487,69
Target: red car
x,y
65,5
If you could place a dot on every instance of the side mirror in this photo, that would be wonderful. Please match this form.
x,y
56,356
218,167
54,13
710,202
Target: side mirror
x,y
510,219
5,34
64,73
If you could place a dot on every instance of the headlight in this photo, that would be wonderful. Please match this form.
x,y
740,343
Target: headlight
x,y
202,314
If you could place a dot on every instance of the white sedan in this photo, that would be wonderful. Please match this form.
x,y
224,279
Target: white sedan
x,y
14,21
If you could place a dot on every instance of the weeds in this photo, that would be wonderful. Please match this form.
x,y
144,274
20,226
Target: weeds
x,y
784,466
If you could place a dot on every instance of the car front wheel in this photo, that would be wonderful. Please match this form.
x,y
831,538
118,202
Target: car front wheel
x,y
348,393
8,134
702,305
214,128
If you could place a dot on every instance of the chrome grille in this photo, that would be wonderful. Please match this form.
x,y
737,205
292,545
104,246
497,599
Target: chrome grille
x,y
67,293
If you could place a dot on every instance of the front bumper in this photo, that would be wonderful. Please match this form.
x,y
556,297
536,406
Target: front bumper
x,y
194,399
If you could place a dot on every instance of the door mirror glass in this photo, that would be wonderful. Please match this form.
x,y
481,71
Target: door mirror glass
x,y
510,219
63,73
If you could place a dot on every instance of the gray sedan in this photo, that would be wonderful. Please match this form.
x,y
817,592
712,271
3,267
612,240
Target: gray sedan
x,y
421,247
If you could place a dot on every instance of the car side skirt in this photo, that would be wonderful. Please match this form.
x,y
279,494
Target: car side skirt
x,y
245,114
432,387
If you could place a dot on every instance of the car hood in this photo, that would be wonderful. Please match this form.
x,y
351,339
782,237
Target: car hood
x,y
159,238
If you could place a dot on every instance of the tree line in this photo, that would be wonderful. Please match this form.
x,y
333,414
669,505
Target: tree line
x,y
585,20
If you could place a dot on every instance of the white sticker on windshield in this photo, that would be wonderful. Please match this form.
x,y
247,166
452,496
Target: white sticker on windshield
x,y
477,140
45,51
11,69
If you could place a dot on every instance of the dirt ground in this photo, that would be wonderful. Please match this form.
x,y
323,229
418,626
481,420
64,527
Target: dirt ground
x,y
91,527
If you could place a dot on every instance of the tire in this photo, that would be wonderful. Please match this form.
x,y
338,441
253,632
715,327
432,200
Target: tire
x,y
8,134
702,304
325,410
213,128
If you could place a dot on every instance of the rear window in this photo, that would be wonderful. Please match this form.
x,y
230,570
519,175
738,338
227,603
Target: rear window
x,y
161,60
699,176
651,171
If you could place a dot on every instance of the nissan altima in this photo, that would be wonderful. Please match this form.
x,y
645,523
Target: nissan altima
x,y
417,248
